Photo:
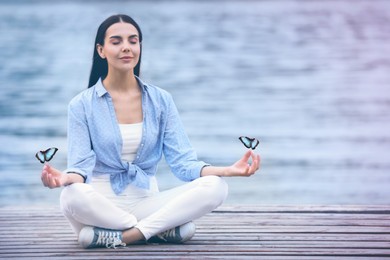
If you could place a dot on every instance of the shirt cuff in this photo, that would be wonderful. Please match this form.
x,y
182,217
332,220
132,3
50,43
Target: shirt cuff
x,y
74,171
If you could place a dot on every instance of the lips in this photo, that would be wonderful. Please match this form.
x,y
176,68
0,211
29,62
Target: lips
x,y
126,58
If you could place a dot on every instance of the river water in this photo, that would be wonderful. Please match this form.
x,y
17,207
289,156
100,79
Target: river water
x,y
309,79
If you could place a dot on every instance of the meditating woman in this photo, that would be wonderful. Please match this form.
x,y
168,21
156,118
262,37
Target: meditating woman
x,y
118,130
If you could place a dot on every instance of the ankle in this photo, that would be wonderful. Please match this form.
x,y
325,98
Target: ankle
x,y
132,235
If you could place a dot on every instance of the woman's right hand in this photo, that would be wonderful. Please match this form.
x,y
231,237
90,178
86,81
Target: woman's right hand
x,y
53,178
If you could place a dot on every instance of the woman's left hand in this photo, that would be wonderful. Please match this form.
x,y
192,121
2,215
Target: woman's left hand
x,y
242,167
53,178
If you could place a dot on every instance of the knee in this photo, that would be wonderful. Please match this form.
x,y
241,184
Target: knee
x,y
73,197
216,190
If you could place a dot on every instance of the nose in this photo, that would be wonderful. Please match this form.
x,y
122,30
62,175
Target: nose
x,y
126,48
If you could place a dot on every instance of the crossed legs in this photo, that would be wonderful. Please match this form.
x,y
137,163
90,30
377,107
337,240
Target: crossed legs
x,y
83,206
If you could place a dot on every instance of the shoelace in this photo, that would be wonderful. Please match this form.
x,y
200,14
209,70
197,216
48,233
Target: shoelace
x,y
109,239
169,236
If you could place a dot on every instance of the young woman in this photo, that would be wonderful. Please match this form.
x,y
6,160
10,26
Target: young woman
x,y
118,130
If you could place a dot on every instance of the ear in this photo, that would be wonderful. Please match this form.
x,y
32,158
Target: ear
x,y
99,49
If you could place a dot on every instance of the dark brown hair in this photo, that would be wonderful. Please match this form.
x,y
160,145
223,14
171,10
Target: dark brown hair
x,y
99,65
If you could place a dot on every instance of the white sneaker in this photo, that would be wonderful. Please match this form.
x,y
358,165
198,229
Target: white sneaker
x,y
175,235
91,237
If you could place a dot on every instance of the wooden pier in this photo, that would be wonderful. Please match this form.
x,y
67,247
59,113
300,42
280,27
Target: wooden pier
x,y
231,232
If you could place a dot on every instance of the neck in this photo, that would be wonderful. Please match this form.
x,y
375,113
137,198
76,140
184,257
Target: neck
x,y
120,82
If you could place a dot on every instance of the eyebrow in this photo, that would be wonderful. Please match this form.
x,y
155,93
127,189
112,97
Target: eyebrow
x,y
119,37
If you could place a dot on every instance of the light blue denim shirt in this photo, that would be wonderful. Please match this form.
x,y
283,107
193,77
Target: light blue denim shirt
x,y
95,142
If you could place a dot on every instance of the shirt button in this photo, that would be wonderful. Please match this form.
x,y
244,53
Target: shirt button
x,y
142,144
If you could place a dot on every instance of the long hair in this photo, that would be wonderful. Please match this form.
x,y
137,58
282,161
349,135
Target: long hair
x,y
99,65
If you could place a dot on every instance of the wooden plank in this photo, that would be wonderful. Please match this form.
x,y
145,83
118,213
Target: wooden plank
x,y
266,230
357,209
231,232
12,246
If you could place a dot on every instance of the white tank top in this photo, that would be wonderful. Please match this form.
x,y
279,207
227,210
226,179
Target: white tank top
x,y
131,138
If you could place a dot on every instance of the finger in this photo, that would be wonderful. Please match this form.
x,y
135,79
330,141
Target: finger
x,y
52,183
45,170
58,181
255,163
44,178
53,171
252,169
247,170
49,169
247,155
47,180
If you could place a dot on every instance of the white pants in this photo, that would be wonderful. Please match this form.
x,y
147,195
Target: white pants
x,y
150,212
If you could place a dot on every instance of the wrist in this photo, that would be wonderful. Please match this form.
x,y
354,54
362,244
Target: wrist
x,y
74,177
66,180
227,171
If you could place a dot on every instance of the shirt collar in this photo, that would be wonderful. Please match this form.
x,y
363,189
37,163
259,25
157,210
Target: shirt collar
x,y
143,86
101,90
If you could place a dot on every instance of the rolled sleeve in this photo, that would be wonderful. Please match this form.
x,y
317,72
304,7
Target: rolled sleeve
x,y
81,157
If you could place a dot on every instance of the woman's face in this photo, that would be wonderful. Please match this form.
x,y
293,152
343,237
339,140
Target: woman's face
x,y
121,47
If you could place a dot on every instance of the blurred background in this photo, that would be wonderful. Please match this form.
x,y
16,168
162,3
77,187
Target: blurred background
x,y
309,79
